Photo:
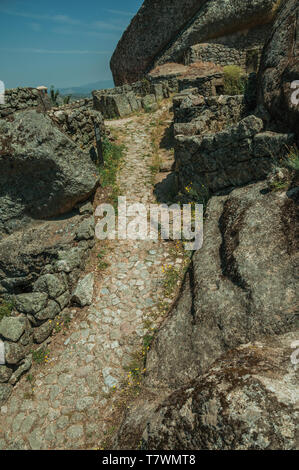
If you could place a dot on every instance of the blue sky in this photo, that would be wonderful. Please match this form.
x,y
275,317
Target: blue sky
x,y
60,42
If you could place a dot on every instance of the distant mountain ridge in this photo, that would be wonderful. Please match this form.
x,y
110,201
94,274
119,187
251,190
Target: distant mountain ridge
x,y
85,90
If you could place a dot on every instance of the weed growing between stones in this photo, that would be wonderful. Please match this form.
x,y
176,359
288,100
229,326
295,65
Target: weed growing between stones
x,y
148,109
57,327
40,356
292,159
171,279
5,308
67,320
106,443
234,80
285,172
102,264
113,155
193,195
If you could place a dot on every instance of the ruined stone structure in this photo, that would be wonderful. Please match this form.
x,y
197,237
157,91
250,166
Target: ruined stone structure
x,y
219,369
77,122
125,100
19,99
218,147
239,155
164,32
46,225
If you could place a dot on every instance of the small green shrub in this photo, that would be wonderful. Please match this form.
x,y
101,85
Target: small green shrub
x,y
148,109
196,196
54,96
5,308
146,86
67,99
234,81
292,160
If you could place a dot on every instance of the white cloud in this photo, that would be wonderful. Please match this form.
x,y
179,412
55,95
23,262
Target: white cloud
x,y
65,19
53,51
120,12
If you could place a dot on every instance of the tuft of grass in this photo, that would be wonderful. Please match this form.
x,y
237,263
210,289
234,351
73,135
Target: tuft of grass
x,y
146,85
113,155
40,356
5,308
234,81
292,159
148,109
102,264
171,278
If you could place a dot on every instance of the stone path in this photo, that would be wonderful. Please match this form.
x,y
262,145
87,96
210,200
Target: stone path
x,y
70,397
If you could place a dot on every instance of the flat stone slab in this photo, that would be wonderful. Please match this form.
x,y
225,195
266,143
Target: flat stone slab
x,y
12,328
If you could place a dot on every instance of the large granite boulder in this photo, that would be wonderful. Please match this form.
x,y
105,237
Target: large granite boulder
x,y
162,31
150,31
246,401
43,173
280,69
241,285
218,19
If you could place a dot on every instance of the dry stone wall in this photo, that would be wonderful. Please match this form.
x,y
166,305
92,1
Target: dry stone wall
x,y
195,114
39,271
124,100
236,156
19,99
42,256
243,48
78,122
208,84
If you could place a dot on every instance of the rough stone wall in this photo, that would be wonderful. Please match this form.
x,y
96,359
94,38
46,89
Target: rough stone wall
x,y
41,260
127,99
39,270
208,85
243,48
19,99
196,115
233,157
216,53
77,122
224,55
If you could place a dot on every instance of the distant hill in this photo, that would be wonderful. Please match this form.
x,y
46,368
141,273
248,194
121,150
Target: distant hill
x,y
84,91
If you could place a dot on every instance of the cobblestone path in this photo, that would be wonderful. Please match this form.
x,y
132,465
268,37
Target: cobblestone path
x,y
71,397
